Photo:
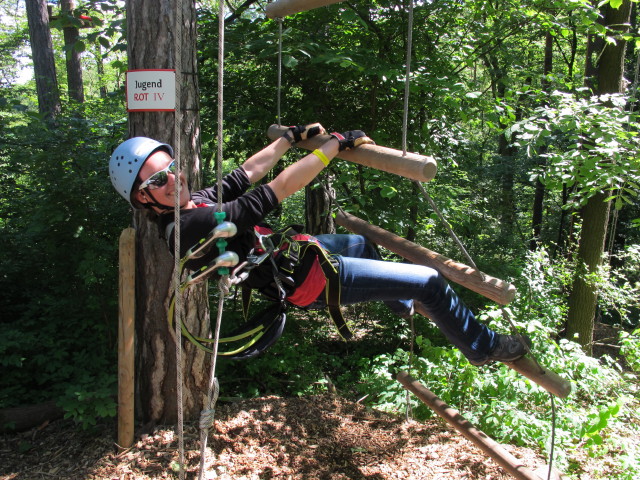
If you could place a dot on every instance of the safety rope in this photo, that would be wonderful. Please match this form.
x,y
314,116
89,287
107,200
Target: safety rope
x,y
177,127
405,114
207,415
221,13
279,86
405,128
405,122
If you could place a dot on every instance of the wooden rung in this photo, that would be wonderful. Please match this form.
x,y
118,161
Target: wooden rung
x,y
485,443
284,8
550,381
413,166
490,287
526,366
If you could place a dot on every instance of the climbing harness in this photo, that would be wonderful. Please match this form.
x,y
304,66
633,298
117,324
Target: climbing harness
x,y
284,251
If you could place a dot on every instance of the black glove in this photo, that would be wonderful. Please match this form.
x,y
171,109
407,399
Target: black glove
x,y
352,139
303,132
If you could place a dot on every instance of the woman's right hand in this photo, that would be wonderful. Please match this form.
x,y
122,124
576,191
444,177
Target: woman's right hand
x,y
298,133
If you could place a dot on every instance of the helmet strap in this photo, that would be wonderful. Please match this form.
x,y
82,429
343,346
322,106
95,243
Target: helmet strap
x,y
155,203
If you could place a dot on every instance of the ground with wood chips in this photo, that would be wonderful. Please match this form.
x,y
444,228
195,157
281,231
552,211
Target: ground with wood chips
x,y
320,437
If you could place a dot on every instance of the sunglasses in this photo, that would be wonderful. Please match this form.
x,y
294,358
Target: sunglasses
x,y
159,179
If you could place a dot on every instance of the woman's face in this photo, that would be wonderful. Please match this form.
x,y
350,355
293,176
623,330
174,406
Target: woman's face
x,y
164,194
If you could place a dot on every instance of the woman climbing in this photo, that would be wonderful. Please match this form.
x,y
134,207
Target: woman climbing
x,y
322,271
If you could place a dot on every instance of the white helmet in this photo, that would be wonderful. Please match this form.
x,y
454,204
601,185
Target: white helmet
x,y
127,160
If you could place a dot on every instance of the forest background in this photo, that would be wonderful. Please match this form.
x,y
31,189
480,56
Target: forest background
x,y
507,97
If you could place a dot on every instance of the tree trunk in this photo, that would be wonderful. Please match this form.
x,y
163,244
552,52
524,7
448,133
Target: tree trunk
x,y
538,200
506,153
74,66
151,27
318,210
584,295
44,66
100,70
609,78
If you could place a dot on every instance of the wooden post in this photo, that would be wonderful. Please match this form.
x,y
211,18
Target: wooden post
x,y
283,8
126,335
413,166
489,446
490,287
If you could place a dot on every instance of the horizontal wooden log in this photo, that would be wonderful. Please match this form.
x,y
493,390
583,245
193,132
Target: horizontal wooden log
x,y
490,287
416,167
550,381
527,367
481,440
284,8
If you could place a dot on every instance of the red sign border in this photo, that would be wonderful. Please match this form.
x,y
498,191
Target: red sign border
x,y
126,90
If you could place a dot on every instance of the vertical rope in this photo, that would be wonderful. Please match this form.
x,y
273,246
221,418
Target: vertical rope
x,y
177,127
207,414
221,13
408,411
405,116
279,87
405,128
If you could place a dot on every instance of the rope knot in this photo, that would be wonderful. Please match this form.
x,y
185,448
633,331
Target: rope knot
x,y
207,418
224,285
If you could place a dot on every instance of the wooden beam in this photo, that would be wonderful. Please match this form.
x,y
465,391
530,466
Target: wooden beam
x,y
413,166
490,287
126,335
547,379
481,440
284,8
550,381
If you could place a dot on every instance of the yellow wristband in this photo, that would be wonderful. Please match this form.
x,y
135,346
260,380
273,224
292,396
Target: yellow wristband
x,y
323,158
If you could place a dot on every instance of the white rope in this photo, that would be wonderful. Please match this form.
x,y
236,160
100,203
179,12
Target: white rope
x,y
405,128
176,235
208,413
279,87
221,13
405,116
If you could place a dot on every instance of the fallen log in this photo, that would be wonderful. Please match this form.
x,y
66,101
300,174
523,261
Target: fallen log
x,y
18,419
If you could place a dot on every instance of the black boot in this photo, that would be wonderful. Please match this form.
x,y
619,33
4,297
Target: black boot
x,y
509,348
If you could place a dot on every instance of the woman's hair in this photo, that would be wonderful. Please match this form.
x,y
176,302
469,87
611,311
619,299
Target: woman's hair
x,y
134,191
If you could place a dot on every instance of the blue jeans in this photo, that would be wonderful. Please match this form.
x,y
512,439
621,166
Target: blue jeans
x,y
364,277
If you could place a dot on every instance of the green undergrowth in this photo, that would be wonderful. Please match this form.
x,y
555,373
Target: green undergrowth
x,y
596,427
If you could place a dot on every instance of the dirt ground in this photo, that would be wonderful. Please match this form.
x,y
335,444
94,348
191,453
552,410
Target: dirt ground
x,y
322,437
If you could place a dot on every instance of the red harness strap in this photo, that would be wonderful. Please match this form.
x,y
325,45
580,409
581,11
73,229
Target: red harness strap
x,y
314,283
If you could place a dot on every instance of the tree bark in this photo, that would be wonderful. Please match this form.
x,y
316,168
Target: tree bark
x,y
609,78
151,27
318,210
538,200
44,66
75,85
